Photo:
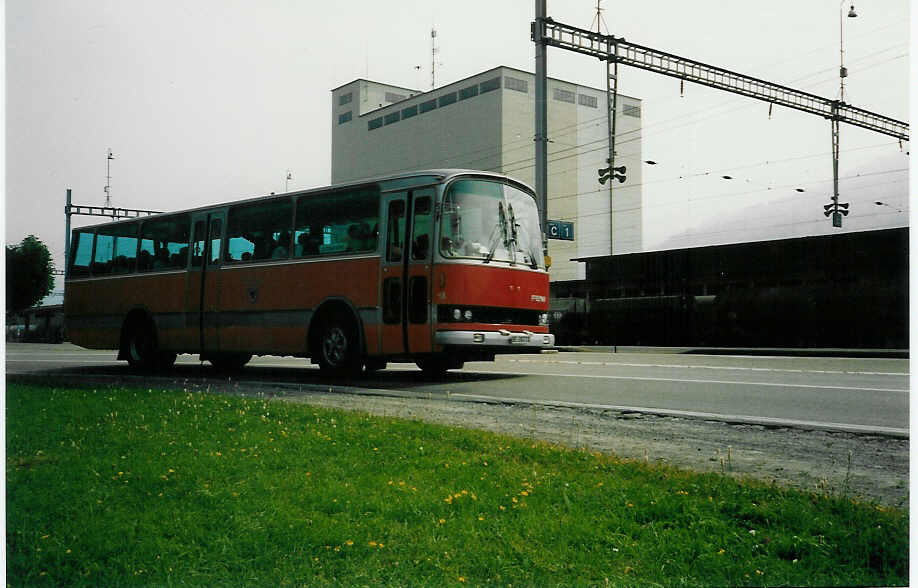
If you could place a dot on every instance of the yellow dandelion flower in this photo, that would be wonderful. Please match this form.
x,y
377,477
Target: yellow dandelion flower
x,y
461,578
372,543
480,518
349,542
502,507
524,493
442,521
515,500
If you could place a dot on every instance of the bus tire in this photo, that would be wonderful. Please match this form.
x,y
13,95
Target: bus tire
x,y
434,367
141,349
229,362
338,351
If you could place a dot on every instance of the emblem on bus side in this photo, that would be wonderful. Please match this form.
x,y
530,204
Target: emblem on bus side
x,y
537,298
253,294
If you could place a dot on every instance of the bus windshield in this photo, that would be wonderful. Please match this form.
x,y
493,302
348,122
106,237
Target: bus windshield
x,y
489,220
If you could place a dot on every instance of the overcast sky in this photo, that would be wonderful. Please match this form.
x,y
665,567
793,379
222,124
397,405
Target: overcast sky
x,y
214,100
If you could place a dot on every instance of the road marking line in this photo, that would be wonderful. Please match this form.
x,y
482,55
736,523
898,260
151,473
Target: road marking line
x,y
688,381
707,367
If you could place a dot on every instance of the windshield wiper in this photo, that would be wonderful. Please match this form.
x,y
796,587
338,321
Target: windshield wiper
x,y
500,231
512,241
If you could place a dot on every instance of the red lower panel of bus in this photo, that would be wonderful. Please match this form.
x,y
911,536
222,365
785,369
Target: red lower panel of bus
x,y
487,285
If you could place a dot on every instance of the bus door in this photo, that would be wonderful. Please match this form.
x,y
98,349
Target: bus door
x,y
202,290
406,271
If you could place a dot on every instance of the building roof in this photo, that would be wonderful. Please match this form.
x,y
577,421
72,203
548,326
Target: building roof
x,y
420,94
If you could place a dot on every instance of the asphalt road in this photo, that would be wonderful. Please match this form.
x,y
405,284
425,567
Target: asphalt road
x,y
853,394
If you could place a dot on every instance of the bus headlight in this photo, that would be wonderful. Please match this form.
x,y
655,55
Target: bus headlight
x,y
467,315
543,319
457,314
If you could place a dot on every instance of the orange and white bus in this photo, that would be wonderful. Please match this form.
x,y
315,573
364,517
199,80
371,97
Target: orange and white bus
x,y
433,267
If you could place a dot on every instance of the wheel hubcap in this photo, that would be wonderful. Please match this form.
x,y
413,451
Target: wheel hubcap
x,y
334,346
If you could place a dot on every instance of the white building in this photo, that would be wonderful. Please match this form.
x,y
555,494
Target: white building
x,y
486,122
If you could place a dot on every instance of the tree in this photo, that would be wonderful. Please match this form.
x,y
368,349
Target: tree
x,y
29,274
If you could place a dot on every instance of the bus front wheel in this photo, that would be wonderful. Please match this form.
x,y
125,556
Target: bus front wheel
x,y
339,351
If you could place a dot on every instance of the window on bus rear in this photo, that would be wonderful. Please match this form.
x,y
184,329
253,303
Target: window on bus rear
x,y
337,222
259,231
164,243
80,253
116,249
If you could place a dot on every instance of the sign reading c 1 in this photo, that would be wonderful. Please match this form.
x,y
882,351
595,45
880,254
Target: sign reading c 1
x,y
561,230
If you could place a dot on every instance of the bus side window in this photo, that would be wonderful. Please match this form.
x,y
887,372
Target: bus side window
x,y
336,222
102,259
82,254
420,231
164,243
396,232
259,231
125,253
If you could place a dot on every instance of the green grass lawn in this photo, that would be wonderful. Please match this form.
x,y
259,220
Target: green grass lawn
x,y
129,486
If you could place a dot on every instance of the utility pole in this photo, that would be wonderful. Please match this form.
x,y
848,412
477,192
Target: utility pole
x,y
541,118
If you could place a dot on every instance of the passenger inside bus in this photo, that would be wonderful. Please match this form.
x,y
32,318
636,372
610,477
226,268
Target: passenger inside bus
x,y
359,238
420,246
161,258
280,249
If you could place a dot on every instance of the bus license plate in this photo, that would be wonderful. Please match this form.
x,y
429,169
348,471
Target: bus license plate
x,y
518,339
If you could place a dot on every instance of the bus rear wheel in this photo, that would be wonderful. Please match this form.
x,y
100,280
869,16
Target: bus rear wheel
x,y
338,347
142,352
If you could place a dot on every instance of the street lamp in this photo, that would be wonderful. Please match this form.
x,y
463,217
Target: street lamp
x,y
842,72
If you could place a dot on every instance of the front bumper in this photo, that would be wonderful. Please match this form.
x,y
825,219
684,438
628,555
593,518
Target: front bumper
x,y
503,338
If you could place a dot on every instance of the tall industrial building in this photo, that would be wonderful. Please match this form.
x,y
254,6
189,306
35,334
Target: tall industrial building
x,y
486,122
